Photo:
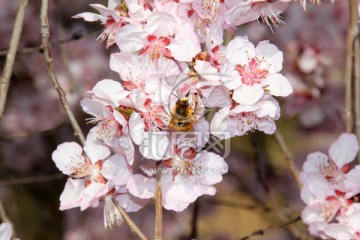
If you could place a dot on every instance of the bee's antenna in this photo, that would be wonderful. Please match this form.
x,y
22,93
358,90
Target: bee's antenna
x,y
175,96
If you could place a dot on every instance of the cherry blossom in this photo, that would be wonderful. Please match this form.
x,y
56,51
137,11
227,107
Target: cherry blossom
x,y
111,109
251,71
244,11
334,169
173,66
189,176
87,168
160,37
237,120
112,17
330,189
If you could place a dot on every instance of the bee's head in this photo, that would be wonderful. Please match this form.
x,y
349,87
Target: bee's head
x,y
184,101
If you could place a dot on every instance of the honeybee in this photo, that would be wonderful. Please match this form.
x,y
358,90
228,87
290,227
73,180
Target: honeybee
x,y
184,113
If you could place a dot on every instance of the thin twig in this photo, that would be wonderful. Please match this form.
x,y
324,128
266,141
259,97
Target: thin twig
x,y
350,42
158,202
29,180
194,221
291,163
272,198
269,229
129,221
237,205
62,96
357,90
10,57
77,35
66,106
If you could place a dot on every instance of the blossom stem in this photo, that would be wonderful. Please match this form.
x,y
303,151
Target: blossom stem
x,y
10,57
45,33
129,221
158,202
350,65
291,163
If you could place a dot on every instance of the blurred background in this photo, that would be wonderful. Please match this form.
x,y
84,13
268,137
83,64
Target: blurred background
x,y
258,191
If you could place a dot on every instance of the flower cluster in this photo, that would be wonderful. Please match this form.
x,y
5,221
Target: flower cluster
x,y
331,188
173,66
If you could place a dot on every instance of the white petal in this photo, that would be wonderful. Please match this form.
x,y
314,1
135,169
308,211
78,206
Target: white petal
x,y
128,148
5,231
185,45
161,24
131,37
104,11
240,50
267,125
318,186
272,56
95,108
278,85
90,17
96,152
352,182
141,186
201,129
130,203
219,97
344,149
68,157
340,231
315,162
221,126
213,166
116,169
247,94
155,145
110,90
72,194
137,128
92,193
207,71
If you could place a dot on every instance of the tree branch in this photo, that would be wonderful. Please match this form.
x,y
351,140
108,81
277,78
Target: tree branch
x,y
77,35
62,96
349,68
45,46
29,180
357,90
129,221
10,57
291,163
243,206
158,202
194,221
